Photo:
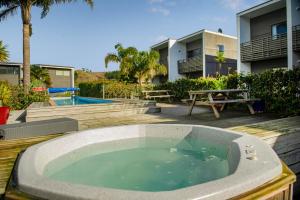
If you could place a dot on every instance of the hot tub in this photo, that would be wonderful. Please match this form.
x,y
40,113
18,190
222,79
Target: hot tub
x,y
147,162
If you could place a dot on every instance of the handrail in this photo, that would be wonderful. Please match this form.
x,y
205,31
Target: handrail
x,y
263,47
194,64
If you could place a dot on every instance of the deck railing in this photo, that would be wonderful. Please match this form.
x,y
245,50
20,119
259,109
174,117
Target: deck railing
x,y
296,38
194,64
264,47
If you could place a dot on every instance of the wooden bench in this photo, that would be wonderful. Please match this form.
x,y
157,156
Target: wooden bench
x,y
214,98
157,94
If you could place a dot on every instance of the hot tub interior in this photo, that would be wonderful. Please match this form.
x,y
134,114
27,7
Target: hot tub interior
x,y
145,164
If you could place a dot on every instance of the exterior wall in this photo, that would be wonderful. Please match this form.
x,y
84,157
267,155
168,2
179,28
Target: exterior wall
x,y
13,79
211,42
263,65
263,24
243,34
163,56
177,51
293,19
197,44
60,80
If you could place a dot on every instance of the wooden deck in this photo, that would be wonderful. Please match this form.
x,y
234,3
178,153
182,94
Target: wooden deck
x,y
282,134
9,149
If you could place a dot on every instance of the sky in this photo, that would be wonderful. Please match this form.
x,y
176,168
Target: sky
x,y
76,35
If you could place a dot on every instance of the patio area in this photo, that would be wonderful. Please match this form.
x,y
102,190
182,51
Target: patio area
x,y
281,134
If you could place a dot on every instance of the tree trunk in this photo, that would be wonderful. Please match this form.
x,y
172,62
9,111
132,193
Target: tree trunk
x,y
26,57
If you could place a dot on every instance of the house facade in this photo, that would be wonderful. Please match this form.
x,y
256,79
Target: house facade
x,y
269,36
61,76
193,56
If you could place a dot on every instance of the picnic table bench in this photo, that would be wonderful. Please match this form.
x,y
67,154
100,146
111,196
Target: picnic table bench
x,y
215,98
157,94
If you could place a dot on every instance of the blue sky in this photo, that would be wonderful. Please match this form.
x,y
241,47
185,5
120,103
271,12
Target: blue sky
x,y
73,34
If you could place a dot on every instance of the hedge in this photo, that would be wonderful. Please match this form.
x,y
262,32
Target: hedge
x,y
112,89
279,89
181,87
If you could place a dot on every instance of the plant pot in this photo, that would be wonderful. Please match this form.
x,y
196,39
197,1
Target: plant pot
x,y
259,106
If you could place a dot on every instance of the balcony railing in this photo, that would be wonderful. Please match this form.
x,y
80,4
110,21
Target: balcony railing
x,y
194,64
264,47
296,38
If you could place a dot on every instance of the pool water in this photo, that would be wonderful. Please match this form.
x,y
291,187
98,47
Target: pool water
x,y
79,101
144,164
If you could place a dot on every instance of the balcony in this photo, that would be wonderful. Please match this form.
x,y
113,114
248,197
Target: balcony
x,y
264,47
296,38
190,65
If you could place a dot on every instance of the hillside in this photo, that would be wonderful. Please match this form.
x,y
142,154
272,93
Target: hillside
x,y
82,76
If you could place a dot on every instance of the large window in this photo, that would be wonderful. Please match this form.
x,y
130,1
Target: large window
x,y
62,73
9,70
193,53
278,29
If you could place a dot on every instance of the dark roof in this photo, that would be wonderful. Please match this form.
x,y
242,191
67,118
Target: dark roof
x,y
56,66
43,65
254,7
10,63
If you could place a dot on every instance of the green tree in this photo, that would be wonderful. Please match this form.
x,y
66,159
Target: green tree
x,y
124,57
3,52
146,65
220,59
41,74
10,7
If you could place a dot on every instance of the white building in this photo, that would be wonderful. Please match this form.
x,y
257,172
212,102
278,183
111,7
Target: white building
x,y
193,55
269,36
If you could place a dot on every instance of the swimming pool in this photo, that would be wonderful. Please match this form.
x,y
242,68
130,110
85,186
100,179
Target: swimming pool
x,y
77,100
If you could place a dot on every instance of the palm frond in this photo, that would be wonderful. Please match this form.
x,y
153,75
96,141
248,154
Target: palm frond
x,y
8,11
4,55
111,57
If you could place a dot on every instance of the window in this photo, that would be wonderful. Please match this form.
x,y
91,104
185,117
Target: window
x,y
62,73
9,70
59,73
193,53
221,47
278,29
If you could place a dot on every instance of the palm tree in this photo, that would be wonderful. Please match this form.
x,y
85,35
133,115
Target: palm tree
x,y
124,57
3,52
42,74
10,7
220,59
146,65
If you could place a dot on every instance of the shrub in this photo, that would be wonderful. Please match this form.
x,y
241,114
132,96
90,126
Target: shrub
x,y
16,99
20,100
5,93
280,90
181,87
113,89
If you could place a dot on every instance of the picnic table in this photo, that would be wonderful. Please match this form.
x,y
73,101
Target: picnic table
x,y
215,98
157,94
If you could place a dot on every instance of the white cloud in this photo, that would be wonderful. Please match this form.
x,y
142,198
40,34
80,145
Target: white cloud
x,y
161,10
161,6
